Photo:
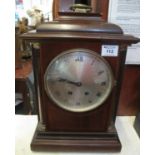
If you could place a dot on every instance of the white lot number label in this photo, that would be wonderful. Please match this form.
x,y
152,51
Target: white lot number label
x,y
109,50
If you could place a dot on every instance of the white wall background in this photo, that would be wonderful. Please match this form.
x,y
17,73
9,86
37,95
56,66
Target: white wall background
x,y
126,13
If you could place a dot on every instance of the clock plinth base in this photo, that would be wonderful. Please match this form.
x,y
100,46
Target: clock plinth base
x,y
77,142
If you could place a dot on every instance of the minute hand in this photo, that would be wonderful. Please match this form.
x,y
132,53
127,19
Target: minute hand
x,y
71,82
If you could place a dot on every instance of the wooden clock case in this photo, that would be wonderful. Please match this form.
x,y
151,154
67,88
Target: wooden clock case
x,y
61,130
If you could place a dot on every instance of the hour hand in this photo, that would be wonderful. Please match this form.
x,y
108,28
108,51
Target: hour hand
x,y
70,82
75,83
62,80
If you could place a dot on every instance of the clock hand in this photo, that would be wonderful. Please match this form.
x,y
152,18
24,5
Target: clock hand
x,y
62,80
71,82
75,83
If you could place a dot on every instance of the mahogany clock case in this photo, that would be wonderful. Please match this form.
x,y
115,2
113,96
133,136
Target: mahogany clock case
x,y
59,129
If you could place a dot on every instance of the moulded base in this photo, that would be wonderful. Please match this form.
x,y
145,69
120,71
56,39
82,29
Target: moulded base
x,y
77,142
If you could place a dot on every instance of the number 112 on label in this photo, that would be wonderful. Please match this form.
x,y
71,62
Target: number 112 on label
x,y
109,50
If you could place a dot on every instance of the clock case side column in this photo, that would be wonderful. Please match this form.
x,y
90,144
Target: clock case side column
x,y
121,65
36,69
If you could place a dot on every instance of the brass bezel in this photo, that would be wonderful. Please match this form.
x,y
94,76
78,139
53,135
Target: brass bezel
x,y
92,107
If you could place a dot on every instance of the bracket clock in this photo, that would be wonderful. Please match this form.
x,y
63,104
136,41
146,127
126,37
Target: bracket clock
x,y
78,70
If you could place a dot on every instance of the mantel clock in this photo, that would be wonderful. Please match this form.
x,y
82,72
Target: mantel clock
x,y
78,69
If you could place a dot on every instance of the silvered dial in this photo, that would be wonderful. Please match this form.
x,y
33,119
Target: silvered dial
x,y
78,80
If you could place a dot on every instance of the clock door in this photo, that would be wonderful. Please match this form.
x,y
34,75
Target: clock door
x,y
78,80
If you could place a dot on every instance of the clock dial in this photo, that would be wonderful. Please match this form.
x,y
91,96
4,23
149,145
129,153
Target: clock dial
x,y
78,80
